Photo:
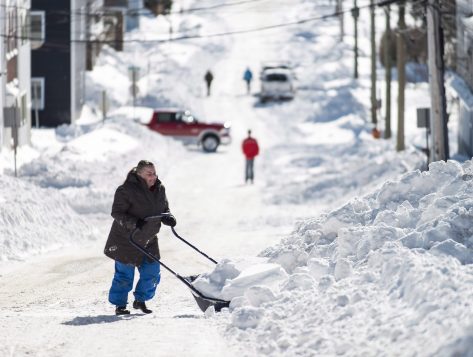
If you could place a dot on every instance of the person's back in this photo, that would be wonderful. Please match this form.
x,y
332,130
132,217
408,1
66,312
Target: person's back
x,y
208,79
250,147
248,76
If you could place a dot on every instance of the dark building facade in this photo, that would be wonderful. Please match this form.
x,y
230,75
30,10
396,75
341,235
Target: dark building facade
x,y
58,64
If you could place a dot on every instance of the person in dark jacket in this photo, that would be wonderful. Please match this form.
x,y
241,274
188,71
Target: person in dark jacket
x,y
250,150
140,196
209,77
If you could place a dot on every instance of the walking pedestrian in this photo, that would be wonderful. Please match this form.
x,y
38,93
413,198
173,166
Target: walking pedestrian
x,y
208,79
251,150
141,195
247,77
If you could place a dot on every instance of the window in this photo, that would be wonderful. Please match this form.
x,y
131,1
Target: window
x,y
166,117
276,77
12,34
38,31
37,93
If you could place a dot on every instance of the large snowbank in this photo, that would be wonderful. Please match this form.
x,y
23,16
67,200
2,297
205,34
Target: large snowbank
x,y
44,208
34,220
405,249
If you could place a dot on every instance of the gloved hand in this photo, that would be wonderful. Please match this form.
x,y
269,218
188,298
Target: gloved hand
x,y
169,220
140,223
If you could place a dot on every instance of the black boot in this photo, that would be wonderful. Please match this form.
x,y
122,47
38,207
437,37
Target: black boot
x,y
121,310
142,306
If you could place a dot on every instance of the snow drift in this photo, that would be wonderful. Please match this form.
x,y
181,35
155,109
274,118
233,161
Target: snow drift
x,y
405,249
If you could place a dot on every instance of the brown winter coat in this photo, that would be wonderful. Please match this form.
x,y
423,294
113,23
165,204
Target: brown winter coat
x,y
134,200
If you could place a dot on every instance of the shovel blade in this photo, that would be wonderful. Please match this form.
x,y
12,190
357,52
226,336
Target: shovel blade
x,y
205,302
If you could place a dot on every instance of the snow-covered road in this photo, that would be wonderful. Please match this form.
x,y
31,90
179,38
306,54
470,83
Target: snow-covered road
x,y
57,303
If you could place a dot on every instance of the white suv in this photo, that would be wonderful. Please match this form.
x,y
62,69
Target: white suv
x,y
276,83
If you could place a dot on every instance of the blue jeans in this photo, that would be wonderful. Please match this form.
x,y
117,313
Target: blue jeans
x,y
249,172
122,282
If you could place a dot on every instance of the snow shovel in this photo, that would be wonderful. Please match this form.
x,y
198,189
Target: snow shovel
x,y
203,301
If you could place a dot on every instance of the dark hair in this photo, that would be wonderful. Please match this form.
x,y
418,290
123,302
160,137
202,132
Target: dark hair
x,y
142,164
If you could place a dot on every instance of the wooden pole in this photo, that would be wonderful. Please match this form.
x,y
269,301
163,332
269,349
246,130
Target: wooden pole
x,y
438,113
355,13
339,10
387,68
401,73
374,103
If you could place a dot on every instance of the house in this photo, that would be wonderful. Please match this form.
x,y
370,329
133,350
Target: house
x,y
58,60
464,68
15,93
67,37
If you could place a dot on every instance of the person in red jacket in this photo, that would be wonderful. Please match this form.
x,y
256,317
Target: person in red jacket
x,y
251,150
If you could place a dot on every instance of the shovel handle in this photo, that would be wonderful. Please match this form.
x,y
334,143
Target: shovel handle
x,y
177,275
159,216
193,246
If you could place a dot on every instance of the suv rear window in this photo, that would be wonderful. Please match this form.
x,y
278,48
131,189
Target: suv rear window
x,y
276,77
166,117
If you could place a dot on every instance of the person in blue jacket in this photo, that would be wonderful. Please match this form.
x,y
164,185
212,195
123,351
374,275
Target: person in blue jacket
x,y
247,77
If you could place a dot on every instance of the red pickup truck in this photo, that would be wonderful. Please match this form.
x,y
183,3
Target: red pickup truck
x,y
182,125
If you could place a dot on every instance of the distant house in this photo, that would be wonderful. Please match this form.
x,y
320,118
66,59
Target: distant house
x,y
15,51
58,60
464,67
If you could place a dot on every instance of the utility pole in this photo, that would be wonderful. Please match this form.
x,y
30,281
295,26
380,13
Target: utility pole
x,y
438,113
339,11
387,68
401,75
134,75
104,106
355,13
374,103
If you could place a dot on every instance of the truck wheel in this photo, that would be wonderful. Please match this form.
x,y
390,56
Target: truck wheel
x,y
210,143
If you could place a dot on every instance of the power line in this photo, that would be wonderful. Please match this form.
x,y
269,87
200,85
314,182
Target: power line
x,y
228,33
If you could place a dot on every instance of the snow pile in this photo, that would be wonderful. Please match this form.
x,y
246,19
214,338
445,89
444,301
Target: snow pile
x,y
385,267
43,209
355,159
34,220
95,157
429,210
227,281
